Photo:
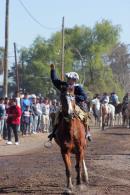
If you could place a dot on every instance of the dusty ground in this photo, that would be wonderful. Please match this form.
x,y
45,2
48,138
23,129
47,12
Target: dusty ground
x,y
30,168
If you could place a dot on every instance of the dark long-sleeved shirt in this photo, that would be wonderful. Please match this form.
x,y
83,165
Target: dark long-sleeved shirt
x,y
79,92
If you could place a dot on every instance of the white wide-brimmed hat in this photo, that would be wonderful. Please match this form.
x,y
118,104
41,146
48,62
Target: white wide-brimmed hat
x,y
33,96
72,75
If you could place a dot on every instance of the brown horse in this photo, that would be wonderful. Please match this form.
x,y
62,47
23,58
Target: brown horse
x,y
104,115
70,136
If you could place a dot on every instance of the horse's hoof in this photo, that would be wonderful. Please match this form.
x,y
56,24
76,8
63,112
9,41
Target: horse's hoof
x,y
85,179
68,191
82,188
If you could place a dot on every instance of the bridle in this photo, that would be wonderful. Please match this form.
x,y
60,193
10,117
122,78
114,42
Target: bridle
x,y
68,97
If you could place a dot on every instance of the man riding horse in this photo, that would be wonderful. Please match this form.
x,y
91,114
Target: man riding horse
x,y
80,97
114,99
126,110
125,101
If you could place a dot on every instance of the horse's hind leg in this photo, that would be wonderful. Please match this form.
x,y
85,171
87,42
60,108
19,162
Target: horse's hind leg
x,y
67,161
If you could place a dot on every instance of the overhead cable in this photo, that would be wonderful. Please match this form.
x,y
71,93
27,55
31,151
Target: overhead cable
x,y
33,18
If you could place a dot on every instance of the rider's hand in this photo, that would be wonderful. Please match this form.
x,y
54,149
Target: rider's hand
x,y
52,66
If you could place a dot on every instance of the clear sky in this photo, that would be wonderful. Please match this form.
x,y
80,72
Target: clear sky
x,y
23,28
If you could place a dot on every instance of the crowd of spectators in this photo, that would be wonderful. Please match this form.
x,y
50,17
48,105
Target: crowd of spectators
x,y
26,114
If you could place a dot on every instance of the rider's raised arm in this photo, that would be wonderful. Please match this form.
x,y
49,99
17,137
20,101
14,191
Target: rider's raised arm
x,y
55,80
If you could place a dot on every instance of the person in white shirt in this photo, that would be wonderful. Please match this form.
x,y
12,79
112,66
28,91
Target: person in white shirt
x,y
39,112
45,121
36,111
18,99
2,116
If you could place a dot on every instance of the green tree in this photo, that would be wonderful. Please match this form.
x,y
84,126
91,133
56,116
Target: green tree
x,y
84,51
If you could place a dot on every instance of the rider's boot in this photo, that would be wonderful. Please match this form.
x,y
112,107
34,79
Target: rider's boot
x,y
88,134
87,128
89,137
52,135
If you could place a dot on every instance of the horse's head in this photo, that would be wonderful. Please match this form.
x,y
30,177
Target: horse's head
x,y
68,101
104,109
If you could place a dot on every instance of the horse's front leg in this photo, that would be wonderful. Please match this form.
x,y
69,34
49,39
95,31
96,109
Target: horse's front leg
x,y
78,167
100,121
103,122
120,119
129,122
67,161
95,120
123,121
85,172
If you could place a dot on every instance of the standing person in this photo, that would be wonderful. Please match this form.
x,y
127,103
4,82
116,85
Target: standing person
x,y
18,99
2,116
18,102
25,102
5,132
45,115
39,112
13,121
36,111
26,120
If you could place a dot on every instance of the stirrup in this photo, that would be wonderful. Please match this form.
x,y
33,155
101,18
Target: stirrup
x,y
50,136
89,138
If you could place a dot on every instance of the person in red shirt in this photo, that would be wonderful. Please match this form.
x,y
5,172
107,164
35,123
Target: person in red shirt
x,y
13,120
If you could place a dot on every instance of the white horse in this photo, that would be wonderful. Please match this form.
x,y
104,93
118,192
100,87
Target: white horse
x,y
96,109
111,113
103,113
107,115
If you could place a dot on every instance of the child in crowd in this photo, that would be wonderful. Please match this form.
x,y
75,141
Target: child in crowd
x,y
26,119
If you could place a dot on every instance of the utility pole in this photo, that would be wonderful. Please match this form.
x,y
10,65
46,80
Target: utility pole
x,y
16,68
1,65
22,80
5,80
62,51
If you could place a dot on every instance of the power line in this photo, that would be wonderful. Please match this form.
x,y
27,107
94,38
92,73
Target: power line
x,y
33,18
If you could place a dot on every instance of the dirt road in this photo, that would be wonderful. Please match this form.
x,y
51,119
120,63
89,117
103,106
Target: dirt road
x,y
33,169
